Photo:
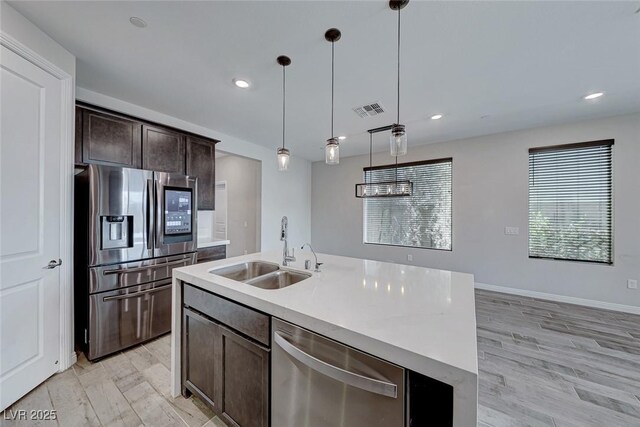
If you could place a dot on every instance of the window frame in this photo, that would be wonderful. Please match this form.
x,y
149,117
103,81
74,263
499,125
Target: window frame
x,y
570,146
401,165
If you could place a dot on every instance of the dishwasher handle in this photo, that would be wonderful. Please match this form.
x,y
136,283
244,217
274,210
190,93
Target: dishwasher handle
x,y
362,382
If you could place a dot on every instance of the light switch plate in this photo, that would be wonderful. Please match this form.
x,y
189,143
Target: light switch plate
x,y
632,284
409,257
511,231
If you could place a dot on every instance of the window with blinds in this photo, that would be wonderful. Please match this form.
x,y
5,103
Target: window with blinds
x,y
422,220
571,202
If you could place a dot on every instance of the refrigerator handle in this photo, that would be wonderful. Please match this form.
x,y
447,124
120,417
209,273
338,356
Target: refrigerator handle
x,y
150,213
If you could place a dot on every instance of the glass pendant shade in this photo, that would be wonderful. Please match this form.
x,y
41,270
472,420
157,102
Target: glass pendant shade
x,y
283,159
398,140
332,152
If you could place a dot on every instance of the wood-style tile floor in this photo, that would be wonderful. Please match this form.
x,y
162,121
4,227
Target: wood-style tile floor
x,y
541,364
131,388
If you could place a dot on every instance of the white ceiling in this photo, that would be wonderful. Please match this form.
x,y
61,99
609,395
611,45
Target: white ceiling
x,y
487,66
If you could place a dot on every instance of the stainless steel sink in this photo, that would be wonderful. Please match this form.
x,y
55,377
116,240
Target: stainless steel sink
x,y
246,270
278,279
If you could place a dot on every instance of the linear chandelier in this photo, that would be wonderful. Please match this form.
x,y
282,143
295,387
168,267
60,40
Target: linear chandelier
x,y
395,188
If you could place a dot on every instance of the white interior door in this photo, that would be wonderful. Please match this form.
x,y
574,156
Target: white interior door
x,y
31,130
221,211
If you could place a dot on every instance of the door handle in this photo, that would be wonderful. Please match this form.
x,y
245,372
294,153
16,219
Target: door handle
x,y
53,264
371,385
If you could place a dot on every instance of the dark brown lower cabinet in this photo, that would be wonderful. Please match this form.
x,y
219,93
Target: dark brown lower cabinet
x,y
245,379
212,253
200,347
227,369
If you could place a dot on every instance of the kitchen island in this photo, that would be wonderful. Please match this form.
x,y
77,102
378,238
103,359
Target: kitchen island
x,y
420,319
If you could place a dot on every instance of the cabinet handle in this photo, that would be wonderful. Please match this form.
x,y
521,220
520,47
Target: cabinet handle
x,y
356,380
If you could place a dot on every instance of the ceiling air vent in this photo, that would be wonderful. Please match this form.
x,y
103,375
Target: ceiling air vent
x,y
369,110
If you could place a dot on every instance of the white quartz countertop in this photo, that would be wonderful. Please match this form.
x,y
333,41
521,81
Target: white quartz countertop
x,y
210,243
419,318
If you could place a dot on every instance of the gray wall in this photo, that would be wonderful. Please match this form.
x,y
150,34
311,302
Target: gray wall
x,y
490,191
243,202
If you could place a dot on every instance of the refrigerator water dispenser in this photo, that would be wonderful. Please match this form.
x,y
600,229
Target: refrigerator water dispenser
x,y
116,231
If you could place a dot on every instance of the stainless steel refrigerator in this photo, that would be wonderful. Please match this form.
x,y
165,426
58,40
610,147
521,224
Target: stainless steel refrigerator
x,y
132,228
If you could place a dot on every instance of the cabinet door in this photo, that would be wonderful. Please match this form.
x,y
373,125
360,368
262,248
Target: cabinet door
x,y
201,161
245,381
200,351
110,140
163,150
212,254
78,140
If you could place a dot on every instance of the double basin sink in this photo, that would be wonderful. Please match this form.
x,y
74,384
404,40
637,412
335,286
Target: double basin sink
x,y
265,275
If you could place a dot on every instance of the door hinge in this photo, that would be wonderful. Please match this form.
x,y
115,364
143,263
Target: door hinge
x,y
86,337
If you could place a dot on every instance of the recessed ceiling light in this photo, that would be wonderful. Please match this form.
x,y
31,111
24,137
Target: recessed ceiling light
x,y
436,117
138,22
342,138
243,84
594,95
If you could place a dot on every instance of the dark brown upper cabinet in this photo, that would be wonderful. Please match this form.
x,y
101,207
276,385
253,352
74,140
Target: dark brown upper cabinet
x,y
201,162
163,150
78,144
110,139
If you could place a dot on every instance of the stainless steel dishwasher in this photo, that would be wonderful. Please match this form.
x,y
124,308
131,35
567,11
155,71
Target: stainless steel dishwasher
x,y
318,382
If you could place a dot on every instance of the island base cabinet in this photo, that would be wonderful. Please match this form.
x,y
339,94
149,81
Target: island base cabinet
x,y
200,352
245,378
226,369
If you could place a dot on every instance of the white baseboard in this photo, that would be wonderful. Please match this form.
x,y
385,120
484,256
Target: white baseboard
x,y
560,298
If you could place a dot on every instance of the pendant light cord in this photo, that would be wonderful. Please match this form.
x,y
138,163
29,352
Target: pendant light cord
x,y
398,116
332,78
284,92
396,170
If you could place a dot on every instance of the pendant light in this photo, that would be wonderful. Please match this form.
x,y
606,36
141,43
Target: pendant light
x,y
398,140
283,153
332,149
396,188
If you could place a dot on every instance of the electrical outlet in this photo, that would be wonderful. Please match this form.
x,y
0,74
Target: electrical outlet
x,y
409,257
511,231
632,284
245,224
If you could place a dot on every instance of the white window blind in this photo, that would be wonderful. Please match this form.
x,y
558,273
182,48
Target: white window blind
x,y
571,203
422,220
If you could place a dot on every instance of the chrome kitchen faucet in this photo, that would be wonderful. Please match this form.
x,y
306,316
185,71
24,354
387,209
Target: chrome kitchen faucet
x,y
318,264
286,258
